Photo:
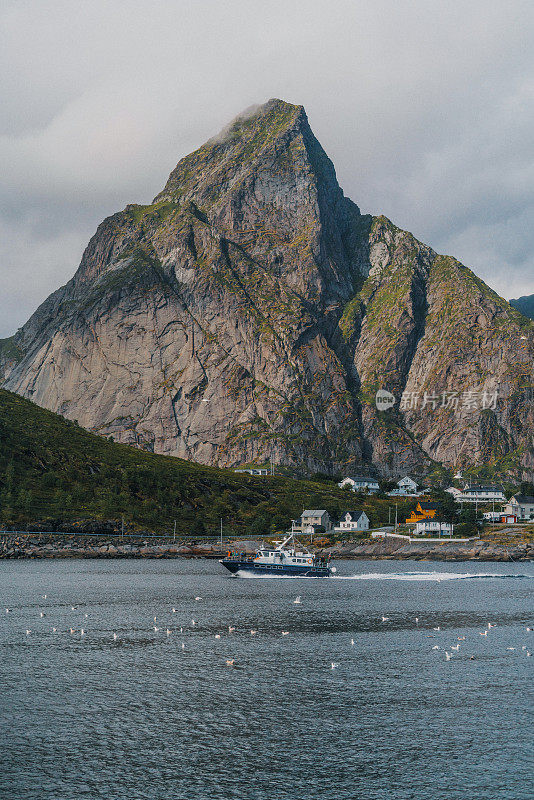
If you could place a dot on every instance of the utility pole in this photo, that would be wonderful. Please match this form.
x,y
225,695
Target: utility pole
x,y
389,515
122,527
221,532
174,532
395,517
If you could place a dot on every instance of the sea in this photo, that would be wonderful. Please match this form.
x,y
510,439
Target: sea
x,y
168,695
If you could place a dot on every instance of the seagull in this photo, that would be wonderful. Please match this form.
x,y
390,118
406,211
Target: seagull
x,y
155,619
385,619
217,635
54,630
28,633
352,642
461,638
114,637
437,629
44,597
174,610
490,625
529,630
156,629
285,633
333,665
297,600
7,610
524,647
528,654
82,632
168,632
198,598
417,620
231,628
448,656
510,648
436,647
42,614
72,630
72,608
229,662
183,646
86,616
455,647
483,633
193,623
181,630
253,632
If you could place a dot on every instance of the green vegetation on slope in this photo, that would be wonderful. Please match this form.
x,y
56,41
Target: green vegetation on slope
x,y
53,471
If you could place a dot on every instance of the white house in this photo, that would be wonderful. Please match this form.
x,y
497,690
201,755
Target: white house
x,y
359,484
433,526
479,493
406,487
353,521
254,471
521,506
313,518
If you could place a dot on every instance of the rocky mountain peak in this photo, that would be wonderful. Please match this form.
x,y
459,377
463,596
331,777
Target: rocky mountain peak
x,y
250,312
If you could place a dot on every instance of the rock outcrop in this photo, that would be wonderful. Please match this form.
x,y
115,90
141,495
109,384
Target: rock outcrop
x,y
251,312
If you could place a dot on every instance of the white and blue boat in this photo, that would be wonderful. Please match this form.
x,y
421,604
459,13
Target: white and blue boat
x,y
288,558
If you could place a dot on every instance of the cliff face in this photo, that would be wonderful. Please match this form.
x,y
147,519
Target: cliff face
x,y
251,312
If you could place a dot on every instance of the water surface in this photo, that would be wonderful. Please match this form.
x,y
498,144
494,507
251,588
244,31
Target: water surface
x,y
140,717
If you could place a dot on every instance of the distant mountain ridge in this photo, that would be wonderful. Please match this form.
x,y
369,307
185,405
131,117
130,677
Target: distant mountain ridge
x,y
525,305
251,313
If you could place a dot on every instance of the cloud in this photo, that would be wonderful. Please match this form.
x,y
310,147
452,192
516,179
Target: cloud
x,y
426,110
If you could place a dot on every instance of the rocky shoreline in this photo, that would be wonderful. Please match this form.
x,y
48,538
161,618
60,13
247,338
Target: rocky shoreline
x,y
37,546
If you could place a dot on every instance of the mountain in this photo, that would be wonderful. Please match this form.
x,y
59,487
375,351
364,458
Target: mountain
x,y
251,312
525,305
53,470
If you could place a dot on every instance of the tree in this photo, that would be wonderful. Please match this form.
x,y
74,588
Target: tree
x,y
260,526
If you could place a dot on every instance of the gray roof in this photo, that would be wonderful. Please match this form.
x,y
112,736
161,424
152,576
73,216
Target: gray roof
x,y
488,487
354,514
524,498
313,512
367,478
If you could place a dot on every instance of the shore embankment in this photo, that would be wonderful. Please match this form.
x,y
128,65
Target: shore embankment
x,y
394,548
34,546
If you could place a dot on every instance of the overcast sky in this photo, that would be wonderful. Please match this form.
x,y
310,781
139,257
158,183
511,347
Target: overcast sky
x,y
426,109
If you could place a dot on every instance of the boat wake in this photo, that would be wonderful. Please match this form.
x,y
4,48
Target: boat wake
x,y
428,576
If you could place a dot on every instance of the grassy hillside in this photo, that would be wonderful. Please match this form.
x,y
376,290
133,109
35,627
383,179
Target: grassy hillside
x,y
55,472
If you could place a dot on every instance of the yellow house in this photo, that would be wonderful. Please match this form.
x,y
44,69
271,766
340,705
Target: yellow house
x,y
423,511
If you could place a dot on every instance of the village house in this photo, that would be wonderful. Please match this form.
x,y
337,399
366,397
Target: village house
x,y
360,484
478,493
521,506
422,511
353,521
499,517
311,519
257,471
434,527
406,487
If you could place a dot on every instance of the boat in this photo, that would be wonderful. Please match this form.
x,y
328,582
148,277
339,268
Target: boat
x,y
288,558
